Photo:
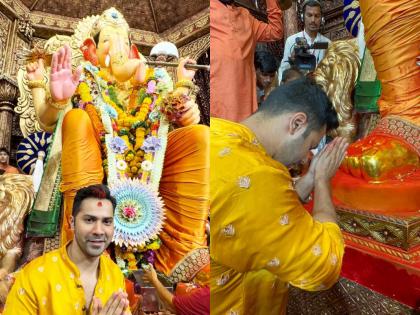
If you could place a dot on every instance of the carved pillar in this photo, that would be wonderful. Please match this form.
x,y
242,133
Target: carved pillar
x,y
8,96
290,21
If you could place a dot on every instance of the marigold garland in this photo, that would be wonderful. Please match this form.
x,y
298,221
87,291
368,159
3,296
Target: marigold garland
x,y
140,119
96,120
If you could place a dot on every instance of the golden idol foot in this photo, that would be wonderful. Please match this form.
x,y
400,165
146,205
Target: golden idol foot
x,y
379,157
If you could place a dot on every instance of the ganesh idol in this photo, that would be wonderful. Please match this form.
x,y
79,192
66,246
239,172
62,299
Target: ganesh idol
x,y
128,125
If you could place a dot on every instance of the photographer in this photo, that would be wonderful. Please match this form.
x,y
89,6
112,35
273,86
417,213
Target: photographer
x,y
312,19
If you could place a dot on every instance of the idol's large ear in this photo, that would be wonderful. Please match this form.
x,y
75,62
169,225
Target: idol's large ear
x,y
134,53
89,51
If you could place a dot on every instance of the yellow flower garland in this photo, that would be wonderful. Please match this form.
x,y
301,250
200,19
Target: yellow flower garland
x,y
134,156
84,91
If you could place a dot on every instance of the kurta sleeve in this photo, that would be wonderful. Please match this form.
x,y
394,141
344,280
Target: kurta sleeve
x,y
273,30
21,298
264,226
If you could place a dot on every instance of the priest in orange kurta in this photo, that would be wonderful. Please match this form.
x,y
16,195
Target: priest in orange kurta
x,y
234,34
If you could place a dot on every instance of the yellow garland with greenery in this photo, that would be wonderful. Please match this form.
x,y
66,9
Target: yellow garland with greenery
x,y
131,122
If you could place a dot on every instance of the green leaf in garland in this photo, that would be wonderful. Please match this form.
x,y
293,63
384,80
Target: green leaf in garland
x,y
142,96
131,137
138,124
123,132
113,97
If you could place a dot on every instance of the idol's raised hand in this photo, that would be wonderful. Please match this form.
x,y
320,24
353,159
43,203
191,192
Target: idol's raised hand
x,y
35,70
63,82
182,72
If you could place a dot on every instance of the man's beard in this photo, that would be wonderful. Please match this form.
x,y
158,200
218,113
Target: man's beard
x,y
88,247
314,27
288,157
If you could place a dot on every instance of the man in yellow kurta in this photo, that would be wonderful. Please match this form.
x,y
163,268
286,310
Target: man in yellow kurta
x,y
262,239
76,278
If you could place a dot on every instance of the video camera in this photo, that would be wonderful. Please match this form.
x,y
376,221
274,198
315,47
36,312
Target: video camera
x,y
303,59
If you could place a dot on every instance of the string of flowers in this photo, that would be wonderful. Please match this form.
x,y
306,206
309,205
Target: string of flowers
x,y
130,259
132,126
131,138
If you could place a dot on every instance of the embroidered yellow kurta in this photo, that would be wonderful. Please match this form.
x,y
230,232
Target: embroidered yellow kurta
x,y
262,238
51,284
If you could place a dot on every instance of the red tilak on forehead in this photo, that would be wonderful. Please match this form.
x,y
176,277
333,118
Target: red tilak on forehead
x,y
99,203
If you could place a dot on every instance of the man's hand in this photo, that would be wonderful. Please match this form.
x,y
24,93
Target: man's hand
x,y
116,305
63,82
151,274
163,293
326,163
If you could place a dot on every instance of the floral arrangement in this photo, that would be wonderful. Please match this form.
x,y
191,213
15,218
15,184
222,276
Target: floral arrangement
x,y
130,259
133,140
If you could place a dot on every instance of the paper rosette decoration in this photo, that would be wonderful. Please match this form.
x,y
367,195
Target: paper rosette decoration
x,y
139,214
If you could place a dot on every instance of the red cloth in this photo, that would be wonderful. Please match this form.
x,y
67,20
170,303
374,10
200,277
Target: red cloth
x,y
234,34
195,303
398,282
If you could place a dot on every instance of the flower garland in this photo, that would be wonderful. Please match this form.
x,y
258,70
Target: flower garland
x,y
129,259
133,140
140,120
132,126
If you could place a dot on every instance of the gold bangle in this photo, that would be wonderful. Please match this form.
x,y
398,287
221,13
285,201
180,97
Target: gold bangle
x,y
33,84
59,104
186,84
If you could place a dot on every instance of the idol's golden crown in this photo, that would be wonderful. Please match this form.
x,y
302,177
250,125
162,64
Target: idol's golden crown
x,y
110,17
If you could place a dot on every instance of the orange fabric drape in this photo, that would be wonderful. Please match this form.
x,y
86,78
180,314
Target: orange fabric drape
x,y
381,198
392,33
185,189
234,34
184,185
81,162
